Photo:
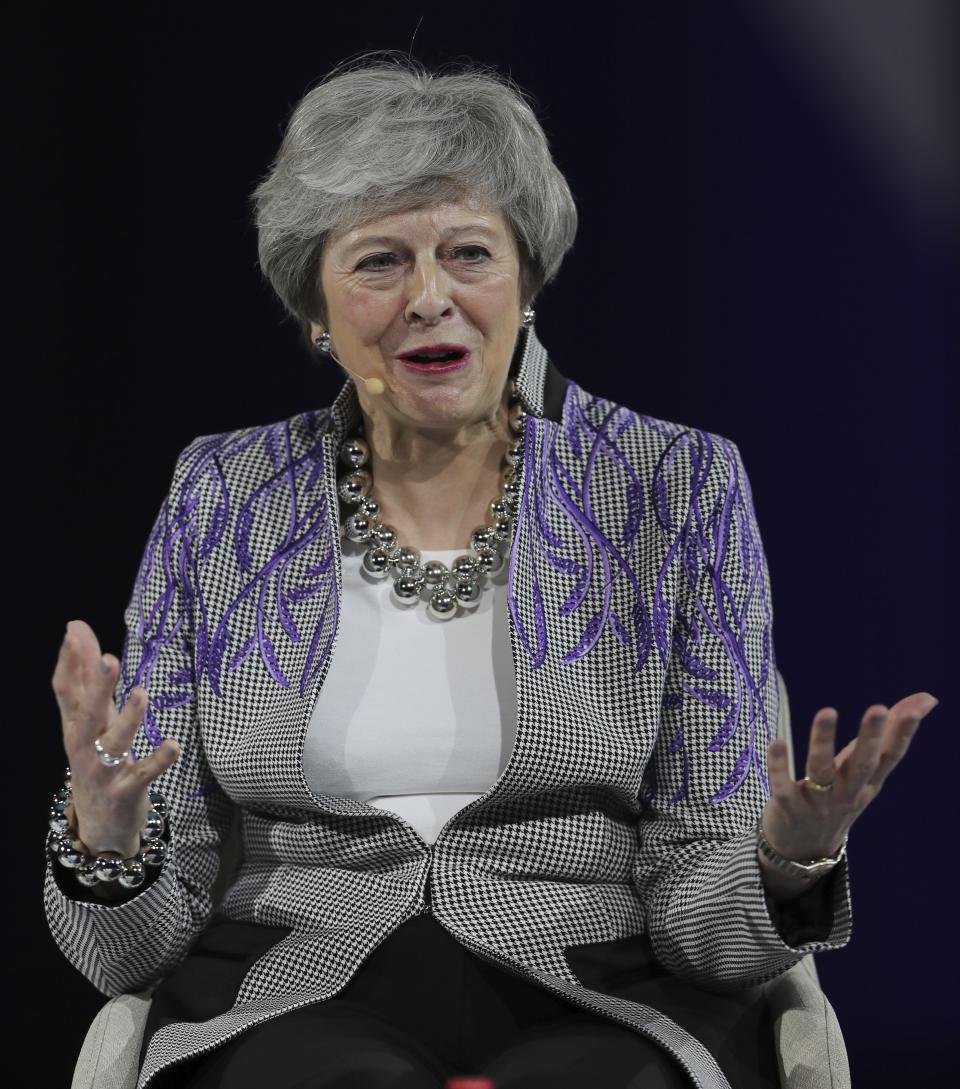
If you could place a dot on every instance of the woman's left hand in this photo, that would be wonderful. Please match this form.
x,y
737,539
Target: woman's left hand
x,y
804,823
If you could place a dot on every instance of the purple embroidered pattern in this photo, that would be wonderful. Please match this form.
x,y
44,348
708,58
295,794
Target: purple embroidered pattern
x,y
553,495
727,534
562,493
270,582
176,553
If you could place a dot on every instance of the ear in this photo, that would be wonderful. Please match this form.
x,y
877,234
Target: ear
x,y
315,330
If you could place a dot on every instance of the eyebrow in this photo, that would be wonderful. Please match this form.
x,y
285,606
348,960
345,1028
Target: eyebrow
x,y
388,240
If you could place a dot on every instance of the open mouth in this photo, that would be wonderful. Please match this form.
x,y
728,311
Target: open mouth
x,y
436,362
433,357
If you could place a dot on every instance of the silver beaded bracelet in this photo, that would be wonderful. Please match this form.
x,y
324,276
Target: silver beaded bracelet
x,y
92,869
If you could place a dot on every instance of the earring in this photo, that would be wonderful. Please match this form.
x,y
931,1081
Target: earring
x,y
528,316
323,343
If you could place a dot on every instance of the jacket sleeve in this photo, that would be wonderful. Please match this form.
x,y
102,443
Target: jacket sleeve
x,y
130,945
707,913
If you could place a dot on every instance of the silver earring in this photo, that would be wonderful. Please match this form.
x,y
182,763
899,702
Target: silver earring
x,y
323,343
528,316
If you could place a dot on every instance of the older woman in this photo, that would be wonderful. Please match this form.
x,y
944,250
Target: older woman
x,y
483,662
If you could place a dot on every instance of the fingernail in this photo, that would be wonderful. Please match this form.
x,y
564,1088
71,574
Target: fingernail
x,y
104,665
932,705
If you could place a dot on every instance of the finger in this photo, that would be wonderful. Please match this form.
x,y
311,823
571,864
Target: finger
x,y
118,735
844,754
85,637
89,683
156,763
86,649
137,774
863,762
124,724
778,769
101,689
68,685
61,679
107,672
897,743
150,767
820,767
916,705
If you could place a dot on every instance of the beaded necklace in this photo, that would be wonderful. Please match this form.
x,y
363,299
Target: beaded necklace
x,y
449,590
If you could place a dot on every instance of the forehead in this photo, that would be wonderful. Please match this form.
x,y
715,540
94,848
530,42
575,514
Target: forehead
x,y
424,223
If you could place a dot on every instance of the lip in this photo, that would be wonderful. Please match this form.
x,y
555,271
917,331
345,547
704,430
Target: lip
x,y
431,348
436,368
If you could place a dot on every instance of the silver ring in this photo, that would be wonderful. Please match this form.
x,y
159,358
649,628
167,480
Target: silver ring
x,y
808,782
105,758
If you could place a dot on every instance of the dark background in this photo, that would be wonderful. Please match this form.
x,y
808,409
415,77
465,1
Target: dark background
x,y
764,245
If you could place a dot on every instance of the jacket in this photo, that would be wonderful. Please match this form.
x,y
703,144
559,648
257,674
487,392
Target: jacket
x,y
641,629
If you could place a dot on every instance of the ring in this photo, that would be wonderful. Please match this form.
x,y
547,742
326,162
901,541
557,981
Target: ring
x,y
808,782
105,758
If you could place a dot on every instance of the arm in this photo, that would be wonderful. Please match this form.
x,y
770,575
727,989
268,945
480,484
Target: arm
x,y
711,915
125,941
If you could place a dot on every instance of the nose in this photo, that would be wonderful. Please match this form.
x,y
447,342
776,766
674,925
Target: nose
x,y
429,292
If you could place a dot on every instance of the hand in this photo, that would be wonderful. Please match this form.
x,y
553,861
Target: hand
x,y
804,824
110,803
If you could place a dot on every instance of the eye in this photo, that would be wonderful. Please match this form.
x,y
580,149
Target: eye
x,y
365,263
477,249
473,255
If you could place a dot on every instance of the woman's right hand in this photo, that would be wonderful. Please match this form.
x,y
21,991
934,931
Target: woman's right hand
x,y
110,803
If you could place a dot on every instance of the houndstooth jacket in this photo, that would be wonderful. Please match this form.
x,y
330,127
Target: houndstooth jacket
x,y
641,628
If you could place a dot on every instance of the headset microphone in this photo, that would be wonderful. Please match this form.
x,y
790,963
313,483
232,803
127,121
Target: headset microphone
x,y
374,385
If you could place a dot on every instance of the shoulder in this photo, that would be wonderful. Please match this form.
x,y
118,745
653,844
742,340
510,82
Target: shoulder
x,y
665,455
257,449
221,477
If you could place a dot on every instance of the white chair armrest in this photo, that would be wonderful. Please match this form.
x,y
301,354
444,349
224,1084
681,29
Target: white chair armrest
x,y
111,1049
810,1050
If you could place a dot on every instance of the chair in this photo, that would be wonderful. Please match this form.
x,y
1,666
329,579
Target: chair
x,y
809,1044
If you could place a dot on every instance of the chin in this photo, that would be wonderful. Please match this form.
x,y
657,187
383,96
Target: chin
x,y
450,412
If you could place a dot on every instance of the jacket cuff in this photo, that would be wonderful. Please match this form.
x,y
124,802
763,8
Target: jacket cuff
x,y
816,920
66,881
74,907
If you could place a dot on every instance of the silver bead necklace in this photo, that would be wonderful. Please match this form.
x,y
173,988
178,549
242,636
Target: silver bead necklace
x,y
449,590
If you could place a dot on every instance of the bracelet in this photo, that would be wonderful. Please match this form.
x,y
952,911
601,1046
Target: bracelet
x,y
808,871
62,845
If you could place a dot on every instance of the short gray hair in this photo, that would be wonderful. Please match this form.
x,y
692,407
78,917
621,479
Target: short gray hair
x,y
382,134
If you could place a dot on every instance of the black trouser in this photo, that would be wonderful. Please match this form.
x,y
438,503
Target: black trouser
x,y
420,1009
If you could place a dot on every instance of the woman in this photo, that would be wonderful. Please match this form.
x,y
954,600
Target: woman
x,y
520,813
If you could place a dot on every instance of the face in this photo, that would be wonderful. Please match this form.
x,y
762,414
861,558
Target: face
x,y
442,276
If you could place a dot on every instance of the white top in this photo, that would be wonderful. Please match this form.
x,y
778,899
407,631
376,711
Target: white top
x,y
416,716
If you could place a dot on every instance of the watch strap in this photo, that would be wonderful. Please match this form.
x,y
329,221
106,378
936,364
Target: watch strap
x,y
807,870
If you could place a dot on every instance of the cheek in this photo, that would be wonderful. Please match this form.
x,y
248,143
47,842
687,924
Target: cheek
x,y
500,309
366,316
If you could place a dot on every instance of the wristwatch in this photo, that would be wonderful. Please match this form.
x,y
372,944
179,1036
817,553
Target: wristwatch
x,y
809,870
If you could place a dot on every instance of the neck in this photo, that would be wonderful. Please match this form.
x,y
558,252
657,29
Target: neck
x,y
434,487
